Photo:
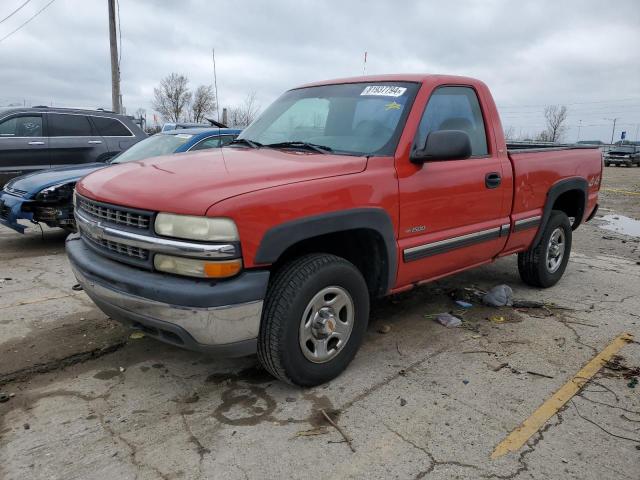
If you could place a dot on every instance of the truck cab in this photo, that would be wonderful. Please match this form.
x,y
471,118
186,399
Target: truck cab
x,y
340,192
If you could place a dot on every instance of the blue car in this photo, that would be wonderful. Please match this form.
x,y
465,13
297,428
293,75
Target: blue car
x,y
46,196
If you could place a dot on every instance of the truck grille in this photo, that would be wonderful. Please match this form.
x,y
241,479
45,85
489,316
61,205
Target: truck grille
x,y
114,214
119,248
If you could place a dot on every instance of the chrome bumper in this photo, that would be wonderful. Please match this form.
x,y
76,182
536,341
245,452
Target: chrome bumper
x,y
209,327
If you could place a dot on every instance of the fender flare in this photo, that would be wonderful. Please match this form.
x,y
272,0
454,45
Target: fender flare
x,y
554,192
279,238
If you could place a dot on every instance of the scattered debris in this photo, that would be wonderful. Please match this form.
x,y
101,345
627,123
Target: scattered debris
x,y
313,432
4,397
122,369
633,382
137,335
335,425
403,402
480,351
538,374
290,399
448,320
464,304
384,329
466,382
498,296
26,426
77,287
497,319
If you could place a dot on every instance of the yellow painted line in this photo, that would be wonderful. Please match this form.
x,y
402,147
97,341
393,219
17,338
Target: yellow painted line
x,y
617,190
516,439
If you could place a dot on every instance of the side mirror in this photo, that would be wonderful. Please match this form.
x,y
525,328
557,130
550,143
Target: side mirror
x,y
443,145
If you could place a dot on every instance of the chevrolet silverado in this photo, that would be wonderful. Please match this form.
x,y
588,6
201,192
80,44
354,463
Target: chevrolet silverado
x,y
340,192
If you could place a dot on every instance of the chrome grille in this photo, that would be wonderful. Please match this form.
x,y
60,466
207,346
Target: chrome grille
x,y
129,251
114,214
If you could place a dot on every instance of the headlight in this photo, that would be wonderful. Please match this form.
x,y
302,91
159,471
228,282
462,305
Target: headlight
x,y
196,228
55,193
197,268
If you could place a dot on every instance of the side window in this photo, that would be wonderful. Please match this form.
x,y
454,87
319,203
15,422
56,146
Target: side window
x,y
454,108
61,125
25,126
110,127
213,142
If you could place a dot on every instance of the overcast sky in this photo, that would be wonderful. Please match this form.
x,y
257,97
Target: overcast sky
x,y
584,54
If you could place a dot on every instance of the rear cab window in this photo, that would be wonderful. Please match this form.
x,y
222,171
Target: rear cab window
x,y
68,125
21,126
454,108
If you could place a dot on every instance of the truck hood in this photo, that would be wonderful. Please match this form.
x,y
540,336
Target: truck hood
x,y
33,183
189,183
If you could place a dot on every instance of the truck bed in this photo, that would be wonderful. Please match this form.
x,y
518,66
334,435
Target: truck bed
x,y
517,147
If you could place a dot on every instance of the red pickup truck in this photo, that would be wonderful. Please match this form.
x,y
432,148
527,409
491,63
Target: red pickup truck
x,y
341,191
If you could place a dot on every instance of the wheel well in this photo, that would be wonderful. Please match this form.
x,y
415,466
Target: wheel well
x,y
363,247
571,202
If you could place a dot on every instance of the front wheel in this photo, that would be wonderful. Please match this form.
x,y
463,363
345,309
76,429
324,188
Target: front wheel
x,y
314,319
544,264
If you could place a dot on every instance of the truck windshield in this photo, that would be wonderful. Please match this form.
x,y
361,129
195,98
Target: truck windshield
x,y
157,145
352,119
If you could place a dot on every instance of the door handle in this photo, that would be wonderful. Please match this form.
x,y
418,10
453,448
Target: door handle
x,y
94,142
36,143
492,180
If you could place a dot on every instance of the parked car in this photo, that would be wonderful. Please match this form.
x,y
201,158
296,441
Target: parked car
x,y
627,155
339,192
45,196
182,125
590,142
37,138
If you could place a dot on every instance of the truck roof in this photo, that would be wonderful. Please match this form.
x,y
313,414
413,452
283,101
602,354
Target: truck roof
x,y
397,77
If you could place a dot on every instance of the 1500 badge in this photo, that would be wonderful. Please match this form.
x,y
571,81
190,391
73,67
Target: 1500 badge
x,y
417,229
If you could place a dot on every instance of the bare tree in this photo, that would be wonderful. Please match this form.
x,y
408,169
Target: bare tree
x,y
204,102
242,115
556,116
172,97
509,134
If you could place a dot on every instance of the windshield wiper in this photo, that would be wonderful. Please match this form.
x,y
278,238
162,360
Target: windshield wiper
x,y
244,141
309,146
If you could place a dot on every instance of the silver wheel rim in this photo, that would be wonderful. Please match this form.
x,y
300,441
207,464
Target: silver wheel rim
x,y
555,250
326,324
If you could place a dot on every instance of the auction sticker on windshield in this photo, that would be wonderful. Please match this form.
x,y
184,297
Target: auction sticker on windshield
x,y
384,90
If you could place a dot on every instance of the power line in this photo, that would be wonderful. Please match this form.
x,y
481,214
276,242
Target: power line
x,y
15,11
573,103
25,23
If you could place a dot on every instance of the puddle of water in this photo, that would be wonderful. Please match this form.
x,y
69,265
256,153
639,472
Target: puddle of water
x,y
621,224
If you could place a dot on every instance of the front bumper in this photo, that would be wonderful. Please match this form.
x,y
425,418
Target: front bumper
x,y
221,318
11,211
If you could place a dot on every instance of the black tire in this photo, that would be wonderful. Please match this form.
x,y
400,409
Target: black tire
x,y
532,264
291,289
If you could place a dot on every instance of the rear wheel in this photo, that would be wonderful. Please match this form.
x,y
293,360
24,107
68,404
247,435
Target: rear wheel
x,y
544,264
314,319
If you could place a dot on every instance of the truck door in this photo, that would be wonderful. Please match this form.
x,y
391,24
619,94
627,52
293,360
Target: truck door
x,y
454,214
72,140
24,147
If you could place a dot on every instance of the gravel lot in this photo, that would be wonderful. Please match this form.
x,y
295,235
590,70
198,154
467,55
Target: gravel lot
x,y
421,401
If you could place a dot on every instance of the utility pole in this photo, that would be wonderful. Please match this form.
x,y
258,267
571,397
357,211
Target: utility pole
x,y
613,130
579,125
115,68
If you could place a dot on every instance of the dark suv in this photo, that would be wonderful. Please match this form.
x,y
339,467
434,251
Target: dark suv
x,y
35,138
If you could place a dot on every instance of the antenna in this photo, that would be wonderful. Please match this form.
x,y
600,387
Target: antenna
x,y
215,83
364,64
